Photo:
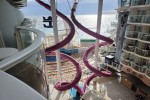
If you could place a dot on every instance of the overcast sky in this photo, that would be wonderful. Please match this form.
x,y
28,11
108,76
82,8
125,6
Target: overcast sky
x,y
84,7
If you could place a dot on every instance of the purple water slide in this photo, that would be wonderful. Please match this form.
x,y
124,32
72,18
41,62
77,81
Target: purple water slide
x,y
98,36
85,56
86,30
70,35
86,62
87,82
62,86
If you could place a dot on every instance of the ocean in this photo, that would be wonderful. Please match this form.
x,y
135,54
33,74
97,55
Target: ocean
x,y
89,21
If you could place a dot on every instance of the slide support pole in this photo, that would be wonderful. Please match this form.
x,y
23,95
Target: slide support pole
x,y
55,29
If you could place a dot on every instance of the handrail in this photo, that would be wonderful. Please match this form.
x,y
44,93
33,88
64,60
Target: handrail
x,y
25,53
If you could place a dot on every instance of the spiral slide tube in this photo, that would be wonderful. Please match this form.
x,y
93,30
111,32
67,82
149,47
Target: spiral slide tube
x,y
62,86
86,30
70,35
67,85
85,56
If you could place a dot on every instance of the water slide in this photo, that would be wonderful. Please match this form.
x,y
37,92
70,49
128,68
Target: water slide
x,y
85,56
62,86
70,34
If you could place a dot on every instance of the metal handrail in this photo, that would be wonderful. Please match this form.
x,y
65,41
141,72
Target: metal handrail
x,y
25,53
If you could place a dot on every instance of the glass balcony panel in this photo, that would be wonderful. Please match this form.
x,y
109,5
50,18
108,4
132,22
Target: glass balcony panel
x,y
126,56
143,69
138,51
27,37
144,36
131,34
128,48
130,42
146,19
135,66
148,72
147,2
135,18
29,64
126,62
138,2
123,3
132,57
31,72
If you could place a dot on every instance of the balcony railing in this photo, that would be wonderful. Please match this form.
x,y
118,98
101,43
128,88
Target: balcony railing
x,y
138,2
123,3
125,62
147,2
130,42
145,53
135,18
25,53
131,34
148,72
128,47
28,65
146,18
136,66
144,36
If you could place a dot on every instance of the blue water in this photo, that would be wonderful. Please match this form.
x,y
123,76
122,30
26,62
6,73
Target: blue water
x,y
89,21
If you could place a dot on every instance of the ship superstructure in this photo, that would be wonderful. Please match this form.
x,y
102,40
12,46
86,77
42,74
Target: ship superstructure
x,y
133,44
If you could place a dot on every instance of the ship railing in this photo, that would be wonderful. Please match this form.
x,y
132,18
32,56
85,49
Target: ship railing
x,y
138,2
2,44
130,41
146,19
128,47
137,67
123,3
132,34
135,18
147,2
127,56
31,54
49,40
125,62
144,36
148,72
145,53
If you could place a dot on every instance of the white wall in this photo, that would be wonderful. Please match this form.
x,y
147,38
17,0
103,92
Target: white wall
x,y
9,18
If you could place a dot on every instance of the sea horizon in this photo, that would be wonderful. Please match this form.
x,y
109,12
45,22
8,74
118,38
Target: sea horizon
x,y
89,21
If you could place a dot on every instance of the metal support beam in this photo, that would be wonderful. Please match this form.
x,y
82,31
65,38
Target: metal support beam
x,y
55,29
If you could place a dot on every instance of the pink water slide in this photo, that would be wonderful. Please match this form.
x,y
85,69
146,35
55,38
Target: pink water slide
x,y
107,40
62,86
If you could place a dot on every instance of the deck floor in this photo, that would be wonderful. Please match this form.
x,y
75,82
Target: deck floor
x,y
111,90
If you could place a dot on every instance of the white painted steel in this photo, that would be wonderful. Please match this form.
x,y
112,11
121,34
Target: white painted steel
x,y
55,29
13,89
7,52
24,54
100,6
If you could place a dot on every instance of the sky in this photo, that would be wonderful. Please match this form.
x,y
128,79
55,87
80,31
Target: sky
x,y
84,7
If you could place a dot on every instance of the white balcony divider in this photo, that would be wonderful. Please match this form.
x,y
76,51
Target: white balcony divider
x,y
25,53
14,89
